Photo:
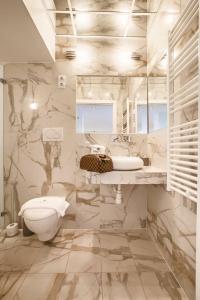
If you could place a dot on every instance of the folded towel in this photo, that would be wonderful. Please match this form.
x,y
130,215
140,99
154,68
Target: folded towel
x,y
59,204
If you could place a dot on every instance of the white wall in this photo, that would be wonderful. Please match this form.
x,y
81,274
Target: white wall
x,y
1,147
44,21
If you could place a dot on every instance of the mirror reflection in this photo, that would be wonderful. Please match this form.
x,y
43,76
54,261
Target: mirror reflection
x,y
120,104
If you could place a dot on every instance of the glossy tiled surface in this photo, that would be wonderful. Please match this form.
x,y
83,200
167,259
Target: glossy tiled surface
x,y
85,265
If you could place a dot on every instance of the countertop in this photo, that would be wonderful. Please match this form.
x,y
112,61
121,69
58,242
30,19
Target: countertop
x,y
146,175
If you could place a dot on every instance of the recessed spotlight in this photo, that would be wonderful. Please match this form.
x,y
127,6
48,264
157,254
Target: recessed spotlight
x,y
90,94
83,21
170,18
122,20
84,54
34,105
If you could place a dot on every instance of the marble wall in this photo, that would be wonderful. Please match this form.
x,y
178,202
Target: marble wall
x,y
172,221
33,168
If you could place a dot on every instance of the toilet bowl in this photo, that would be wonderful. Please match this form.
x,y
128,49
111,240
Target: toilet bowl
x,y
44,215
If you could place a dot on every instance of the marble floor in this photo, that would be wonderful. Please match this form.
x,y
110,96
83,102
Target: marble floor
x,y
85,265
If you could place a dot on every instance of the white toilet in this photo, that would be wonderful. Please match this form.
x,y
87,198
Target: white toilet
x,y
43,215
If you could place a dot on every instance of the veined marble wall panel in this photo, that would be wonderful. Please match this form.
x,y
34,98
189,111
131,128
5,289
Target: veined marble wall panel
x,y
32,167
157,148
172,221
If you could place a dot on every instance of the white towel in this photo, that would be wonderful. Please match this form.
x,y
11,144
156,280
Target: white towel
x,y
59,204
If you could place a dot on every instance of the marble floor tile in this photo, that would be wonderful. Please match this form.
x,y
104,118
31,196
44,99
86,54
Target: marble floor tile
x,y
81,286
50,260
83,259
115,253
86,265
40,287
122,286
117,260
140,244
18,258
10,282
112,239
87,238
161,285
146,263
7,243
85,252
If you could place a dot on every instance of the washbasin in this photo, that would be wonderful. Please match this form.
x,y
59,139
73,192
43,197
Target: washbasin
x,y
126,163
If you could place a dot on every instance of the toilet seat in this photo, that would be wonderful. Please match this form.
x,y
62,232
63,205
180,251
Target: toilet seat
x,y
36,214
48,203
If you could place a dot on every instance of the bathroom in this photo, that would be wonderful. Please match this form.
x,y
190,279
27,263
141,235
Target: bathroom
x,y
131,68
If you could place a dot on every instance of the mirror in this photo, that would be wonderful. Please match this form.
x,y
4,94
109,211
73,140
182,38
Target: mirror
x,y
157,103
120,104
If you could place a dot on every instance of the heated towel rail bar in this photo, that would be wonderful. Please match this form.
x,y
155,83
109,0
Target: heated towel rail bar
x,y
183,84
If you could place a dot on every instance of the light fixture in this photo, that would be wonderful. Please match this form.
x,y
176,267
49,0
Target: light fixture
x,y
90,94
83,21
34,105
122,20
123,58
136,56
70,53
84,53
170,18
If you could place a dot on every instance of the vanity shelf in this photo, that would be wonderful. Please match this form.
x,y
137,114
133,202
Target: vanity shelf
x,y
146,175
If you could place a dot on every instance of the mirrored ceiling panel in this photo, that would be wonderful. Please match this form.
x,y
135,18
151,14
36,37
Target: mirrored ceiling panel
x,y
99,5
61,4
110,25
63,24
89,24
109,5
137,26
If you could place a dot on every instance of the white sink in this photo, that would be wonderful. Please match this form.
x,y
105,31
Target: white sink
x,y
125,163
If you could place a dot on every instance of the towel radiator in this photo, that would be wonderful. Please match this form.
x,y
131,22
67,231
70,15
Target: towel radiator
x,y
183,106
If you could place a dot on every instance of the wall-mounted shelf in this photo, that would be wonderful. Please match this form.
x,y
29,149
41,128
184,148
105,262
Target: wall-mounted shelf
x,y
146,175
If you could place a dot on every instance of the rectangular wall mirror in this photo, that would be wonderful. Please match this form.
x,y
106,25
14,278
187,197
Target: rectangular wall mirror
x,y
120,104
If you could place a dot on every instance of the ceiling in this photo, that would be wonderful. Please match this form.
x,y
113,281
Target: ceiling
x,y
108,18
19,42
97,18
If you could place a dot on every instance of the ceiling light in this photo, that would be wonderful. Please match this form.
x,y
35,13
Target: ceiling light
x,y
122,20
90,94
123,58
83,21
34,105
170,19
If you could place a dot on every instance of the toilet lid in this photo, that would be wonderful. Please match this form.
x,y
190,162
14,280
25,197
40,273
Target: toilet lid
x,y
36,214
44,207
